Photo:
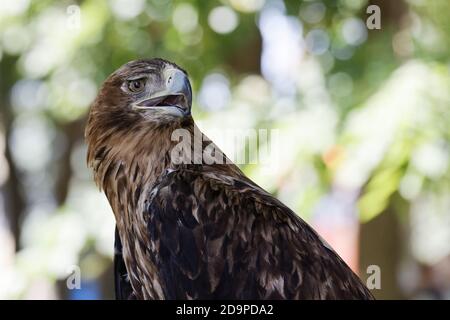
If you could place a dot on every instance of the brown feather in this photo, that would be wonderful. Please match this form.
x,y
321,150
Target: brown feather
x,y
192,231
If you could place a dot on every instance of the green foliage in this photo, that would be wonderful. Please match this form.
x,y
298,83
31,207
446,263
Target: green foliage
x,y
366,114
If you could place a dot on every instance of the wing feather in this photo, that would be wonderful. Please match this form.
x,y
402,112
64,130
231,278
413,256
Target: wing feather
x,y
123,287
222,238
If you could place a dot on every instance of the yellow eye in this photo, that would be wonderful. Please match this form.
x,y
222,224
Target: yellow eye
x,y
136,85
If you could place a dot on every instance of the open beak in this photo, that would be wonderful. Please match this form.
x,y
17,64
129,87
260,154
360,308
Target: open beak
x,y
177,93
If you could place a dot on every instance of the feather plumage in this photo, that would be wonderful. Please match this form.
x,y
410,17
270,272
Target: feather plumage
x,y
198,231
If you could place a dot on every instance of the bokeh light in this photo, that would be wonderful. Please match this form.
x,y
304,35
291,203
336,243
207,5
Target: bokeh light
x,y
357,120
223,19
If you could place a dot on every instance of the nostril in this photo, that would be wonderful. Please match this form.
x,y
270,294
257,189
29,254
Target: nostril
x,y
169,80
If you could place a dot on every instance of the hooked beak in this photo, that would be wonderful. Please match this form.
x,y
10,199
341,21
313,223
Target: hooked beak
x,y
177,93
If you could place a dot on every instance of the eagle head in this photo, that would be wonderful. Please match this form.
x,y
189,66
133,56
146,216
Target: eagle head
x,y
149,90
134,107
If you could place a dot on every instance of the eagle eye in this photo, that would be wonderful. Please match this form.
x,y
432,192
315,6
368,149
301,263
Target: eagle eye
x,y
136,85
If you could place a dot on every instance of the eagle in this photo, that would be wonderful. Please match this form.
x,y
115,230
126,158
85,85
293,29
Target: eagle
x,y
189,223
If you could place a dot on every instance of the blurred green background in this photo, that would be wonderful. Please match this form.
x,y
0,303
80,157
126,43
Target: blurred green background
x,y
362,118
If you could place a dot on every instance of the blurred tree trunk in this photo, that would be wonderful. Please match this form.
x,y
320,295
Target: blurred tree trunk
x,y
15,201
381,240
72,131
391,11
